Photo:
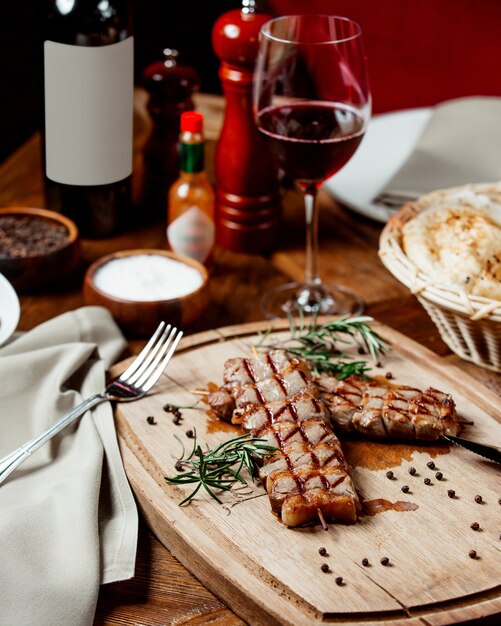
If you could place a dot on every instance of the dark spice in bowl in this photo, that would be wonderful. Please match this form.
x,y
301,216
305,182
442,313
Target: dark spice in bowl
x,y
37,248
26,236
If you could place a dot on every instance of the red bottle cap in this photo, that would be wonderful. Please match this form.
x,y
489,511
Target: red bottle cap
x,y
192,122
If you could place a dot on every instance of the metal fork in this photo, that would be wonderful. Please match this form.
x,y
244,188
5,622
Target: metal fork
x,y
132,384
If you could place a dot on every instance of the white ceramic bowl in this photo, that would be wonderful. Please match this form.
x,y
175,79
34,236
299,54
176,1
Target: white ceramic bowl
x,y
9,310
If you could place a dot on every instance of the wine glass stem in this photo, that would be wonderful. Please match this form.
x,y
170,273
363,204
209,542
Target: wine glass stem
x,y
311,212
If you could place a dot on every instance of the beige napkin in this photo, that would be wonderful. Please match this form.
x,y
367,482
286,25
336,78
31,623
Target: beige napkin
x,y
460,144
68,521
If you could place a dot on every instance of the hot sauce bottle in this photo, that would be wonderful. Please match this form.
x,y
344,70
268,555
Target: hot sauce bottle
x,y
191,229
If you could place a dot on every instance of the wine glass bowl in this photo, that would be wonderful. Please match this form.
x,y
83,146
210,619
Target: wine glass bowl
x,y
312,103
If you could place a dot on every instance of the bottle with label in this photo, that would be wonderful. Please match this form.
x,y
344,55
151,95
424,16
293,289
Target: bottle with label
x,y
88,104
191,229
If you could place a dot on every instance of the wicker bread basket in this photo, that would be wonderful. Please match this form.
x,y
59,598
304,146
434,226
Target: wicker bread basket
x,y
470,325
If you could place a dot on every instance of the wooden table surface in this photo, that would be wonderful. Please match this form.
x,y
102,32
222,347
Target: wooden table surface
x,y
163,591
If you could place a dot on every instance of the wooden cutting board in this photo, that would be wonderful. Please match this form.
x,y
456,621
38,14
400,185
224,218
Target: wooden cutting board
x,y
270,574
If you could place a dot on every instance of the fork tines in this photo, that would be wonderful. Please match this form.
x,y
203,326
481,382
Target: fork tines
x,y
147,368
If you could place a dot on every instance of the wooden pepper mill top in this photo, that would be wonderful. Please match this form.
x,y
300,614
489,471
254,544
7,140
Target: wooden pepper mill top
x,y
248,204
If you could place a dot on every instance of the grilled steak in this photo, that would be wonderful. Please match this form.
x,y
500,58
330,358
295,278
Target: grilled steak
x,y
342,398
222,403
388,411
276,399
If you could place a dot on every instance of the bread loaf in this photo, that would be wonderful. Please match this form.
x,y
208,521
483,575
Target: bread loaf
x,y
455,238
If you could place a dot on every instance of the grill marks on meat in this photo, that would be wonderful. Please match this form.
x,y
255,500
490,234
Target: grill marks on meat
x,y
274,377
373,409
342,397
241,371
275,399
256,381
302,406
389,411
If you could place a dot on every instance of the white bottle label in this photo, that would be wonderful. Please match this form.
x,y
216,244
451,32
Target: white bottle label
x,y
88,112
192,234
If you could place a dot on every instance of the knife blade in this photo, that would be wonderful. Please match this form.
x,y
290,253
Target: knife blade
x,y
488,452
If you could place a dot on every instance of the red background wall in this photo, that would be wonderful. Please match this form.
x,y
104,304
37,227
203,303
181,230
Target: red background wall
x,y
421,52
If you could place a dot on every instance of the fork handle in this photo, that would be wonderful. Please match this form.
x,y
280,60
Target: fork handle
x,y
9,463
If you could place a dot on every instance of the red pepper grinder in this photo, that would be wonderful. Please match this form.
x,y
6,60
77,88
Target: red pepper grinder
x,y
248,211
170,86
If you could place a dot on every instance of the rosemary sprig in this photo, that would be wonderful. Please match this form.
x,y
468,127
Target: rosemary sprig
x,y
319,344
222,467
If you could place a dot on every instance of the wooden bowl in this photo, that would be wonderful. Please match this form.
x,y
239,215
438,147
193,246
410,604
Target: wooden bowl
x,y
35,269
141,317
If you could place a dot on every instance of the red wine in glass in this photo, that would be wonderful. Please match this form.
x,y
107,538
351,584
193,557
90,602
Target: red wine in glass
x,y
312,102
312,140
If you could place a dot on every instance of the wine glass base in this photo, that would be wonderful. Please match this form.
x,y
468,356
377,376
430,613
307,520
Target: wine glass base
x,y
300,299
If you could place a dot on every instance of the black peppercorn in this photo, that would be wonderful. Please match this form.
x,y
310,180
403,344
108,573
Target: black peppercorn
x,y
388,375
472,554
189,434
170,408
150,419
365,562
405,488
325,568
478,499
385,560
427,481
389,474
451,493
361,350
179,466
430,464
339,580
175,420
29,235
379,364
475,526
499,501
412,471
439,475
322,551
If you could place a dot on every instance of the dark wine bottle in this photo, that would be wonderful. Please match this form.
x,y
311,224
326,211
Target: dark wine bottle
x,y
88,104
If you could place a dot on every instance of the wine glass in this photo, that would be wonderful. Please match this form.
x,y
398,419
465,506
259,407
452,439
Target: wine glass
x,y
312,102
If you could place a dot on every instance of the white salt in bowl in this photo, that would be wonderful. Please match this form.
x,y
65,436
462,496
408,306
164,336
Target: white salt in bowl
x,y
141,288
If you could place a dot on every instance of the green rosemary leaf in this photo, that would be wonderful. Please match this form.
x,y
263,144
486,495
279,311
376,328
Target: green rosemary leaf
x,y
211,493
319,344
181,458
222,467
192,494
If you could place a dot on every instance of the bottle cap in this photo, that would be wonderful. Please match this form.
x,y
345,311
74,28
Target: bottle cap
x,y
192,122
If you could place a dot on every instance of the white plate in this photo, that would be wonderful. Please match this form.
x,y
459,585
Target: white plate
x,y
389,140
9,309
